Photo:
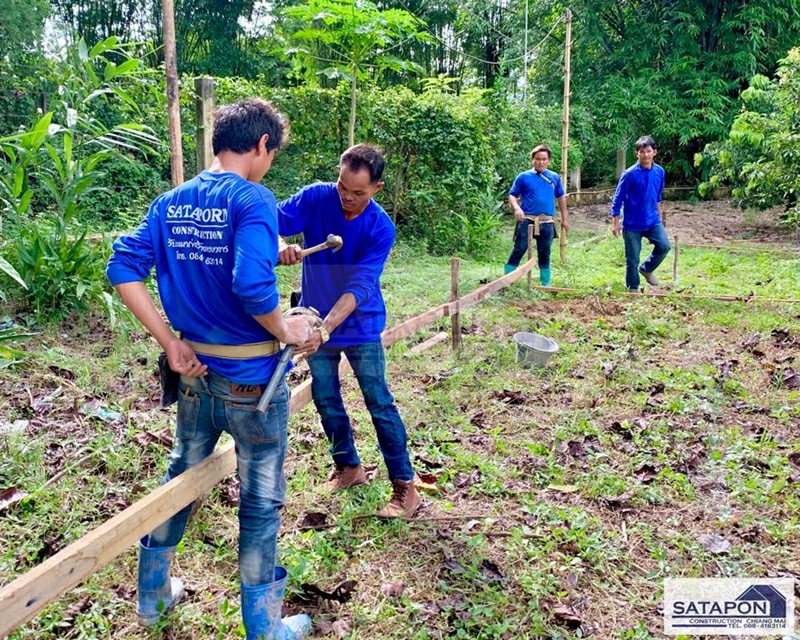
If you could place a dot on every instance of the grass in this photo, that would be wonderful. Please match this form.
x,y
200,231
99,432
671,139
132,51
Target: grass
x,y
653,424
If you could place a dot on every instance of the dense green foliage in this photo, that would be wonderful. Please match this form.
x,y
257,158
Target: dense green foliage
x,y
761,157
48,172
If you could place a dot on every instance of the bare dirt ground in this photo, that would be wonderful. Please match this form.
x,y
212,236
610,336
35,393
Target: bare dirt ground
x,y
715,221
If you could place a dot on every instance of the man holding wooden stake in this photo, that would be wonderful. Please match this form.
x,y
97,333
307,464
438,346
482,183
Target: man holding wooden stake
x,y
345,288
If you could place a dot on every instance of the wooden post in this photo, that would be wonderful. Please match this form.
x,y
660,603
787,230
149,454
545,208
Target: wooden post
x,y
565,128
455,319
565,115
173,92
204,109
622,161
675,259
530,253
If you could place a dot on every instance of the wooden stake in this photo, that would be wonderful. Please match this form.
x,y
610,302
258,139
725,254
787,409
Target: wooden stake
x,y
173,92
675,259
204,109
530,253
455,319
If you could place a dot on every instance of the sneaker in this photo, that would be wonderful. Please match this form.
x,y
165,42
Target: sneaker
x,y
345,477
650,277
404,503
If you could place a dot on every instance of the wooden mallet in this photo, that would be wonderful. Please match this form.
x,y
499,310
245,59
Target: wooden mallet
x,y
333,242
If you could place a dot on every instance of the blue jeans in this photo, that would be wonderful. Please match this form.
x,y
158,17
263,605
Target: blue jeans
x,y
369,365
206,408
657,236
543,242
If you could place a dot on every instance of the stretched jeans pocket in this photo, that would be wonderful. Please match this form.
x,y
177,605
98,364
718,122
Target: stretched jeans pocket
x,y
250,425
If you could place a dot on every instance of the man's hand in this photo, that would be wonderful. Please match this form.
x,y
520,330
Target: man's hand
x,y
182,359
565,224
311,346
519,214
299,329
616,228
290,254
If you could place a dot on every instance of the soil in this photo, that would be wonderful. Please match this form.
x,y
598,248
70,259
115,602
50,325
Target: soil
x,y
714,222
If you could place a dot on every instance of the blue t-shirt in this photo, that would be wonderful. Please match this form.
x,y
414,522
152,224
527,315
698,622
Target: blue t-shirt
x,y
538,190
214,244
637,196
316,211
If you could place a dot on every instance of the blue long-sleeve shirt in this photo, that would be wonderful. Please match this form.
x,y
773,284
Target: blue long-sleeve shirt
x,y
538,191
316,211
637,196
214,244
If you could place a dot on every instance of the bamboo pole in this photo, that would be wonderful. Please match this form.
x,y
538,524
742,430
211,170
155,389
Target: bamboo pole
x,y
562,243
682,296
455,319
173,92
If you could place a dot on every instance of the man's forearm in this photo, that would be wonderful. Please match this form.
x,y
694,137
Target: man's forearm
x,y
344,306
137,298
562,207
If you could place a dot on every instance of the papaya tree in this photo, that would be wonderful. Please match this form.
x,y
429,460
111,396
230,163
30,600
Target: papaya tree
x,y
348,38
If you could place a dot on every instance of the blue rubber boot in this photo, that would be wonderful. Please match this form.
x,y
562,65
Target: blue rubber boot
x,y
261,612
157,591
544,276
508,268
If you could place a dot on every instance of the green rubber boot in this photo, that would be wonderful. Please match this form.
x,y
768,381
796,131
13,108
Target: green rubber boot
x,y
544,276
508,268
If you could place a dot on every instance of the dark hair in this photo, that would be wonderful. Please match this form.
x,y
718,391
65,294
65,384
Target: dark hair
x,y
239,126
540,147
646,141
364,156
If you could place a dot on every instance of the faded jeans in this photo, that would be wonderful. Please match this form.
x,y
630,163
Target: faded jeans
x,y
543,243
369,365
206,408
657,236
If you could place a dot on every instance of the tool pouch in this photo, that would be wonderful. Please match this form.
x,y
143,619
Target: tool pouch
x,y
169,380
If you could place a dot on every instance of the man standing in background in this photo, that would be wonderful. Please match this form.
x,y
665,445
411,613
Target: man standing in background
x,y
638,201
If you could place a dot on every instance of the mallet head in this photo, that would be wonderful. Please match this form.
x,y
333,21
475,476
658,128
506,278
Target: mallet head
x,y
334,242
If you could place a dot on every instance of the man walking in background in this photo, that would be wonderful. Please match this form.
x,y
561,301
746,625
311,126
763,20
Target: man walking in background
x,y
638,201
345,288
533,198
214,244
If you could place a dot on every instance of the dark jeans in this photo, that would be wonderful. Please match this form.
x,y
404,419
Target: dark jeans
x,y
206,408
543,241
369,365
657,236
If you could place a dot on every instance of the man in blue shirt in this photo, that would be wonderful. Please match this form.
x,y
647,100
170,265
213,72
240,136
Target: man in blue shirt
x,y
345,288
638,200
217,284
533,198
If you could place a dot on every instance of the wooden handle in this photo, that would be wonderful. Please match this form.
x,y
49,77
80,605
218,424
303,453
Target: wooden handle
x,y
313,249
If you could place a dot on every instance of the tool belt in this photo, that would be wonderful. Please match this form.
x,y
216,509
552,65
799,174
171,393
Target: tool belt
x,y
543,218
235,351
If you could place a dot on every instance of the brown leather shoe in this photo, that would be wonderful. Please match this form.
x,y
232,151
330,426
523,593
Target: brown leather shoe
x,y
404,503
345,477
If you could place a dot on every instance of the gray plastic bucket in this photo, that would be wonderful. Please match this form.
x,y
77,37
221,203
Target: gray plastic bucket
x,y
533,349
